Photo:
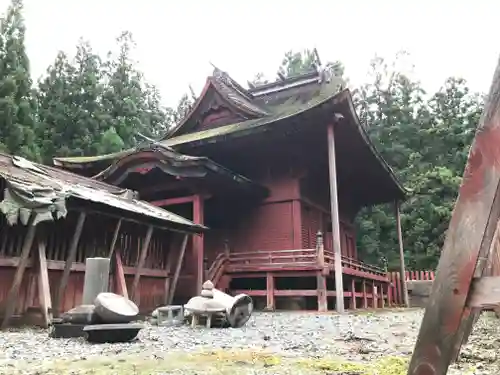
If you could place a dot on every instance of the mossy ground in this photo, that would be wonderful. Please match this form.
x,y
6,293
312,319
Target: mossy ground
x,y
215,362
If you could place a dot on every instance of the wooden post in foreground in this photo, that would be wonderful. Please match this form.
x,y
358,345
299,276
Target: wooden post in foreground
x,y
321,275
44,285
11,300
460,289
402,270
177,272
198,242
140,265
69,262
334,210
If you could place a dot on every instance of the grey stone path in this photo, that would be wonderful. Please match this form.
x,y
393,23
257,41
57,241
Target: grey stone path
x,y
361,337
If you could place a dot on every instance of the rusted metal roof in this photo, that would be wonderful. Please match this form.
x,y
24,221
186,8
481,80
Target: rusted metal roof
x,y
33,179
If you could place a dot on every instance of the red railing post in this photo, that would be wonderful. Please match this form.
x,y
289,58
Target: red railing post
x,y
320,250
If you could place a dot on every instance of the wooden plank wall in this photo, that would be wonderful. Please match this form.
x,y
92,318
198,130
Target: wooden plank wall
x,y
95,241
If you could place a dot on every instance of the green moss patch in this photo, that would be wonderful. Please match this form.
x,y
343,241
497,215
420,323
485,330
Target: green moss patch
x,y
211,362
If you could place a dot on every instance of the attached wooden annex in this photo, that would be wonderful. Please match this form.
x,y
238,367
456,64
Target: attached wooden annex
x,y
278,173
52,220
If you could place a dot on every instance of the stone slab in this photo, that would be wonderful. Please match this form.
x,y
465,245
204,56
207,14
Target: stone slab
x,y
112,333
67,330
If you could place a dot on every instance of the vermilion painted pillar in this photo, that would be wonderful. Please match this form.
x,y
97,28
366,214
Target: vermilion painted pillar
x,y
198,242
270,291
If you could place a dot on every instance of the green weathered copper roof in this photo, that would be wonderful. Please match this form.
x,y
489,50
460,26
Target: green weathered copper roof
x,y
290,108
287,108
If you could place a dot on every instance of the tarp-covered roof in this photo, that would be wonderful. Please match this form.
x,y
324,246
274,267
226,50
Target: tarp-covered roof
x,y
34,189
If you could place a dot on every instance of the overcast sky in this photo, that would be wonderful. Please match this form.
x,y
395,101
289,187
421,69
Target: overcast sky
x,y
177,39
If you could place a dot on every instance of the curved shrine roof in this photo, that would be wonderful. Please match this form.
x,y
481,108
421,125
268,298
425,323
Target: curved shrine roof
x,y
261,107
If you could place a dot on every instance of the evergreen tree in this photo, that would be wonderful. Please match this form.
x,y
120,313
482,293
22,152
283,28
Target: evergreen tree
x,y
17,121
133,106
71,117
426,140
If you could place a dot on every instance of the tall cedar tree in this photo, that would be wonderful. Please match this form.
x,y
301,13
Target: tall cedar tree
x,y
70,113
16,104
426,139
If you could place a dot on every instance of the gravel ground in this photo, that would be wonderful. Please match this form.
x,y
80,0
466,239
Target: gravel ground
x,y
271,343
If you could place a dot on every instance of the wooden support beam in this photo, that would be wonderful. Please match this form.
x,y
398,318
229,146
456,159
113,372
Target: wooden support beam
x,y
44,296
468,241
69,261
365,296
334,208
374,295
353,294
171,258
11,300
57,265
140,263
198,242
402,269
116,233
32,286
178,267
322,296
119,276
287,293
270,304
382,296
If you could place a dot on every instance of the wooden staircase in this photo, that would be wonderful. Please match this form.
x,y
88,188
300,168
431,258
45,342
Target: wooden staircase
x,y
216,272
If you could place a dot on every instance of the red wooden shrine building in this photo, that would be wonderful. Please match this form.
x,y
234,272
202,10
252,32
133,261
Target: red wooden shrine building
x,y
266,169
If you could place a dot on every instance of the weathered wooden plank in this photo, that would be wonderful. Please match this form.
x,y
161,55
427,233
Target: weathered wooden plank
x,y
120,282
270,288
321,292
468,239
58,265
469,321
198,247
10,301
116,233
177,272
69,261
485,293
44,285
140,263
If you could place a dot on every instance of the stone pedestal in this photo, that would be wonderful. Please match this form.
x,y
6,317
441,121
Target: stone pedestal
x,y
96,279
